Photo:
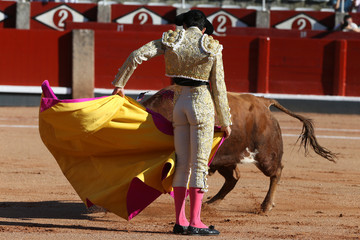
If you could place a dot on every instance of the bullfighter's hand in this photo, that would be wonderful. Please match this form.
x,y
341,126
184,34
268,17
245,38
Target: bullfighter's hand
x,y
227,131
119,91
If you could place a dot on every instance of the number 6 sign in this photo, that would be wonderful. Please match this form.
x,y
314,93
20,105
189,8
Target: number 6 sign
x,y
56,17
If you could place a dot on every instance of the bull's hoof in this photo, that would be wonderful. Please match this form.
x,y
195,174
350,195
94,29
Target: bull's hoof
x,y
263,213
266,208
213,201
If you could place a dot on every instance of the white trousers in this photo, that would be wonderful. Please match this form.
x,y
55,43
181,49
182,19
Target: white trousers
x,y
193,121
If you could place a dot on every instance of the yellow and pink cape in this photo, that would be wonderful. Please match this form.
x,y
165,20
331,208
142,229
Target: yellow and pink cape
x,y
114,152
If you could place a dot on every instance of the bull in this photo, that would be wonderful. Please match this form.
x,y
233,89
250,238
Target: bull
x,y
256,138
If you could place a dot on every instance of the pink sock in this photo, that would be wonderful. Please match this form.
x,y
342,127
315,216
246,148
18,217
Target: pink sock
x,y
179,198
196,197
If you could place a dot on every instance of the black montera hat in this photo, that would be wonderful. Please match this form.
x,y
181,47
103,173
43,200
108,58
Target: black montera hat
x,y
194,16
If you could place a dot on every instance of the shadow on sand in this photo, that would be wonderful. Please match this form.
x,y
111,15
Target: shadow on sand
x,y
46,209
30,211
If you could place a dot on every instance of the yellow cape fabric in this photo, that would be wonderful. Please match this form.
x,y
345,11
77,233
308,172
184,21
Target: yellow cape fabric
x,y
102,144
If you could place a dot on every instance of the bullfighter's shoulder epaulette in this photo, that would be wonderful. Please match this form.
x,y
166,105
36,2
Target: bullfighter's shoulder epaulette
x,y
173,38
211,45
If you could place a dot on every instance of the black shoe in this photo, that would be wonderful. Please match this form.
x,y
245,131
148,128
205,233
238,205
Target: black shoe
x,y
178,229
203,231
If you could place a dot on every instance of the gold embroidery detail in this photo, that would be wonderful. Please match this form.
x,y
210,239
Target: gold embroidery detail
x,y
204,112
219,92
188,59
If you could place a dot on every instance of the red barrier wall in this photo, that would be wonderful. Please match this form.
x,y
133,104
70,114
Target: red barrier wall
x,y
352,68
277,65
301,66
240,58
7,14
30,57
111,51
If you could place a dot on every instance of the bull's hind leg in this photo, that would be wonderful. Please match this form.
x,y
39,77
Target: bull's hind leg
x,y
268,202
231,175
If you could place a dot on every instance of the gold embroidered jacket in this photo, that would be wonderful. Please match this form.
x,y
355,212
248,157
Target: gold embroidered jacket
x,y
188,54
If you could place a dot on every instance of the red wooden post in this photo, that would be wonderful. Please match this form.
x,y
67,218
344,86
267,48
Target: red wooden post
x,y
263,65
339,84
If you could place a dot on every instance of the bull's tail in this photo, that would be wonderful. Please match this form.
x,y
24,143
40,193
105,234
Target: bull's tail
x,y
307,135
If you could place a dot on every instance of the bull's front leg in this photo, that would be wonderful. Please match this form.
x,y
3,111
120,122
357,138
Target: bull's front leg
x,y
232,175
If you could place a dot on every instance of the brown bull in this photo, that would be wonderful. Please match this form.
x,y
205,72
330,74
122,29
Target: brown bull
x,y
256,138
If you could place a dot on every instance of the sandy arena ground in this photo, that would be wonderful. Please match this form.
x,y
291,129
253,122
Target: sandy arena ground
x,y
316,199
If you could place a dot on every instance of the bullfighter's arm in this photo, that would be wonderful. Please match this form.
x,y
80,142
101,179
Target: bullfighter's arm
x,y
145,53
219,91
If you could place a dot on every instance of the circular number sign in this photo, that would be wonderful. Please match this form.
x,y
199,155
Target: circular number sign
x,y
221,23
60,16
301,24
142,18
